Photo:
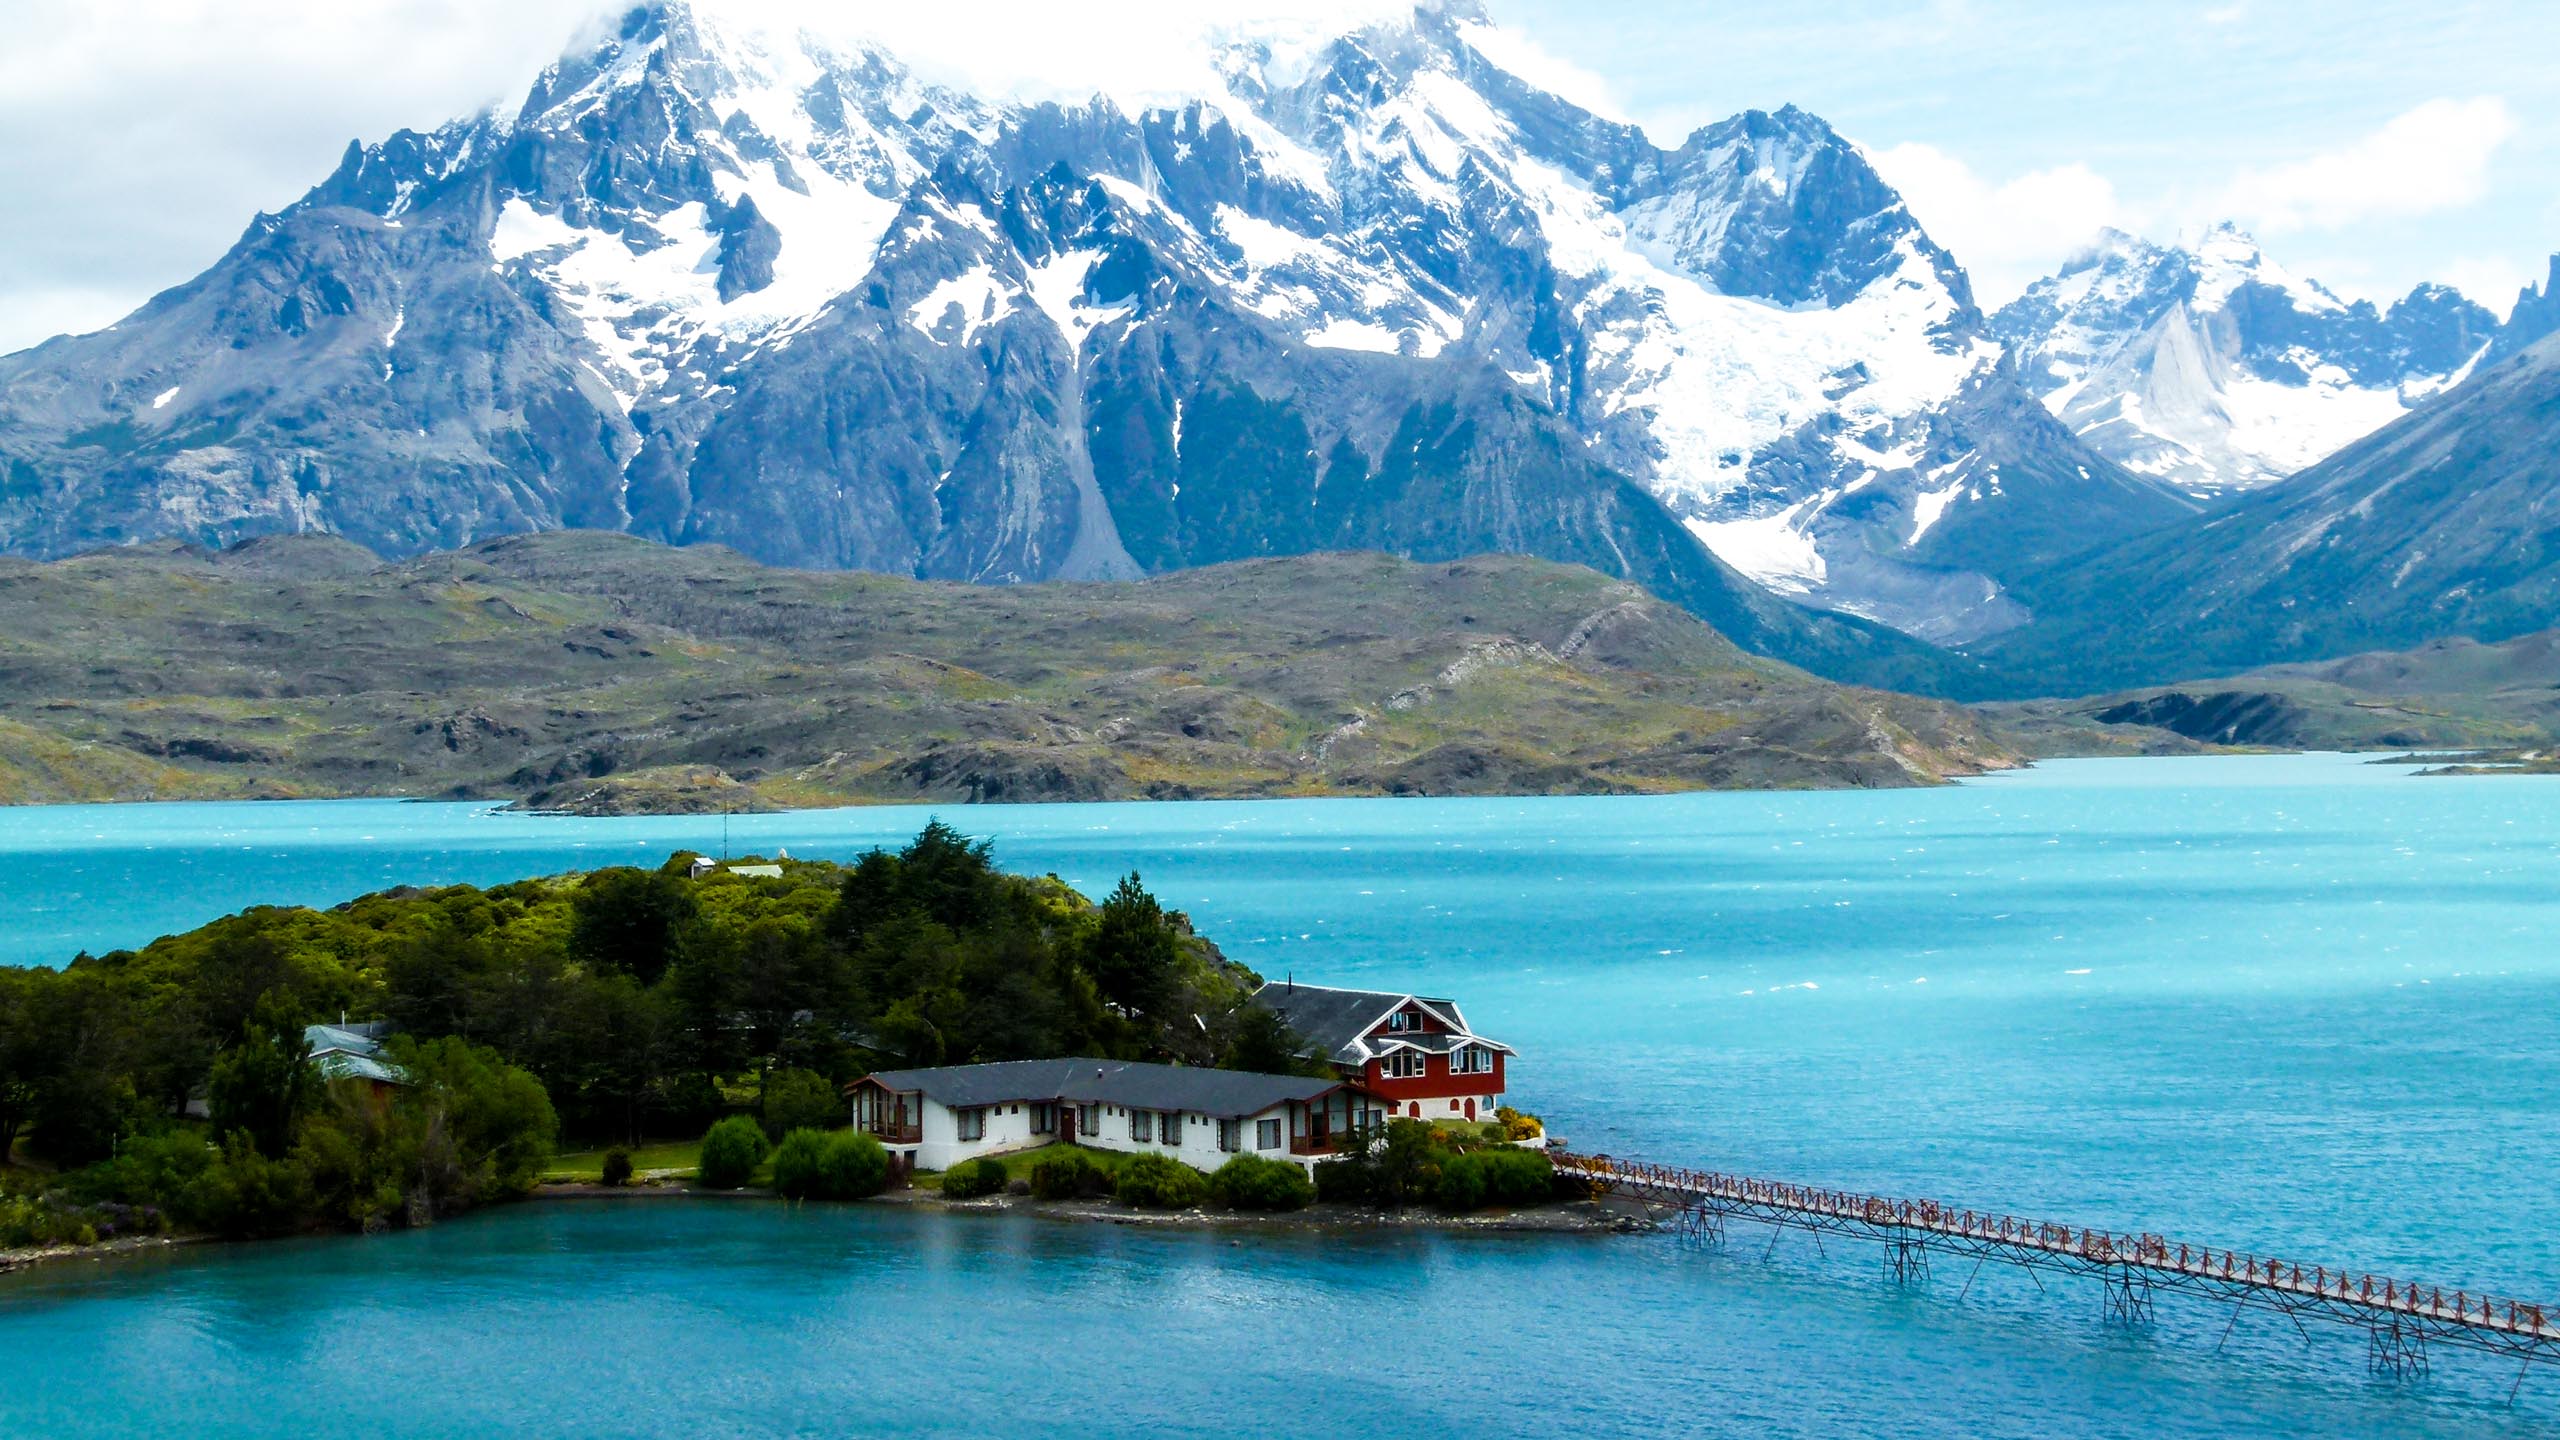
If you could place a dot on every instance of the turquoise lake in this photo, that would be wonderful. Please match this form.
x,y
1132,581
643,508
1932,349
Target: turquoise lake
x,y
2306,1005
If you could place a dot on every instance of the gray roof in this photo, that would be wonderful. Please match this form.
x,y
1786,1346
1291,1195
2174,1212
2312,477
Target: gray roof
x,y
1336,1021
321,1039
348,1052
1225,1094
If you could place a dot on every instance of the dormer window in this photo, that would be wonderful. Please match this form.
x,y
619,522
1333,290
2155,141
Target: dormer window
x,y
1404,1020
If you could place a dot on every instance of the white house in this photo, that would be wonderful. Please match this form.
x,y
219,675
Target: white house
x,y
935,1119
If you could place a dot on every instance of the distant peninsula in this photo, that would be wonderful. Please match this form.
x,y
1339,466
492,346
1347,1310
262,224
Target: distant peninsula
x,y
599,674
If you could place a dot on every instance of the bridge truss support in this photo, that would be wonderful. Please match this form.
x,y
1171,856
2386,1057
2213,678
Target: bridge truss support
x,y
2128,1295
2396,1348
1906,1260
1701,1225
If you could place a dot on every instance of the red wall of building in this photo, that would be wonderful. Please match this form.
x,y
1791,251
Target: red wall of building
x,y
1436,1083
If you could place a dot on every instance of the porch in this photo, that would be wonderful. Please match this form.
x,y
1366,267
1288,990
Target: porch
x,y
894,1117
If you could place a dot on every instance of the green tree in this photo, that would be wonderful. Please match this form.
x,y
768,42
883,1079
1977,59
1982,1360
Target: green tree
x,y
261,1085
22,1056
1134,950
490,1123
1265,1043
1403,1163
355,1156
949,878
634,922
801,1100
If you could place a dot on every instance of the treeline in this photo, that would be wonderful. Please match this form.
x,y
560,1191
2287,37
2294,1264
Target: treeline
x,y
637,1001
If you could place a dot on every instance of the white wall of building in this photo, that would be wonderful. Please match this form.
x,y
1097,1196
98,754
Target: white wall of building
x,y
1008,1128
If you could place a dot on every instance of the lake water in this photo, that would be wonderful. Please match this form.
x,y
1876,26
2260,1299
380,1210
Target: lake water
x,y
2301,1004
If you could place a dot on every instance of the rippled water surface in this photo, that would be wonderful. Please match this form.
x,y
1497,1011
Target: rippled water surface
x,y
2301,1004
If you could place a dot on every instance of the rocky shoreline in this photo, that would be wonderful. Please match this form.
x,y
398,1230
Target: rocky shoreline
x,y
28,1257
1564,1217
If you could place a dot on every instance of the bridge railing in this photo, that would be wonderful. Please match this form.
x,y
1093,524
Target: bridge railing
x,y
2361,1289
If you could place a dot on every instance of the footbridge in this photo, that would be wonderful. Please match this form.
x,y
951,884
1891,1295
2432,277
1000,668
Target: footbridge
x,y
2402,1319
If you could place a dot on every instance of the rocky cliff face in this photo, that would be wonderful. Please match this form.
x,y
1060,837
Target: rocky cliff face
x,y
2441,524
711,282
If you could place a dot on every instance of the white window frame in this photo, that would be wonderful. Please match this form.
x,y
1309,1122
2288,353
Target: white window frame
x,y
1404,1065
1471,1060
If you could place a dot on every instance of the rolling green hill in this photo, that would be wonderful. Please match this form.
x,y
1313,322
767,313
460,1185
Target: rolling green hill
x,y
600,673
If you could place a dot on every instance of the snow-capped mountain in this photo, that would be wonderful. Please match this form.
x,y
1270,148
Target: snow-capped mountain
x,y
2440,524
2216,369
710,281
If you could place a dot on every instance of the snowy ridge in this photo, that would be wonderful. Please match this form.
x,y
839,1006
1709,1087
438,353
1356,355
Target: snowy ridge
x,y
2214,368
721,275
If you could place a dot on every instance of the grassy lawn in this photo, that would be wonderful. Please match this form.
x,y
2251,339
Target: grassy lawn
x,y
681,1156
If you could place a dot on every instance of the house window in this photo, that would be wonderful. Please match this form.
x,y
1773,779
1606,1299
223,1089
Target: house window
x,y
1472,1060
1044,1119
973,1122
1142,1126
1404,1065
1403,1020
1266,1135
1173,1127
1089,1120
1230,1135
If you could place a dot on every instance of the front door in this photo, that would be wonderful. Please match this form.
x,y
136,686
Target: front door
x,y
1471,1109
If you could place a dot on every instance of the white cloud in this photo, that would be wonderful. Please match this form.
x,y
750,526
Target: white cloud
x,y
2492,280
2435,157
2005,234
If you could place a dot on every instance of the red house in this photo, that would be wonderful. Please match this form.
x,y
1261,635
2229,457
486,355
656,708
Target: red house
x,y
1414,1050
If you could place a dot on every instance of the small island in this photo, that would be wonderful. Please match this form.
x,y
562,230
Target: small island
x,y
917,1026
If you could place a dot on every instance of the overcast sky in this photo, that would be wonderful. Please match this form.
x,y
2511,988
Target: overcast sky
x,y
2370,145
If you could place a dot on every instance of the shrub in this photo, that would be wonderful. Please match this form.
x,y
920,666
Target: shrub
x,y
971,1179
1513,1176
617,1166
1159,1182
1404,1163
1460,1185
243,1193
1254,1182
149,1170
731,1151
1519,1125
1069,1175
797,1163
800,1100
1344,1181
853,1166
